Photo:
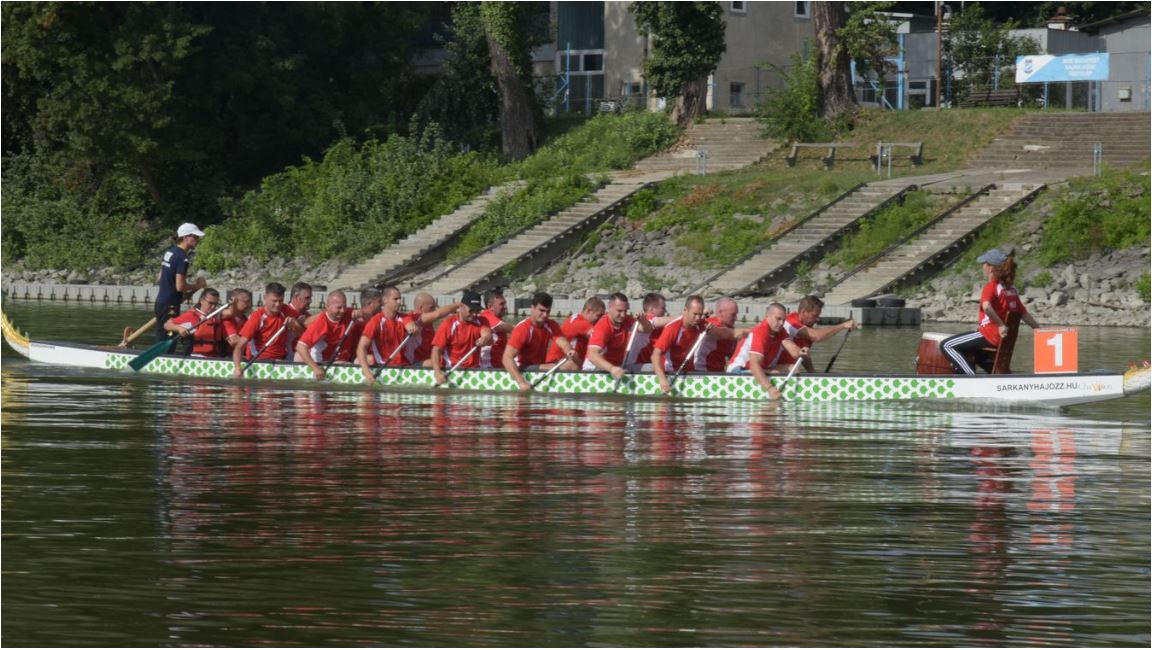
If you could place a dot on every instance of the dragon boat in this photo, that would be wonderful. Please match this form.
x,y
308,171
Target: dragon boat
x,y
1047,390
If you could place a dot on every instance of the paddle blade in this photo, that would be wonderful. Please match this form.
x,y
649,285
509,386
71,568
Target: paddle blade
x,y
146,357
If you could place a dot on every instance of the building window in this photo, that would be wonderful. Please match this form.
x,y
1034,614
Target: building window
x,y
739,7
582,61
803,10
736,94
631,89
593,63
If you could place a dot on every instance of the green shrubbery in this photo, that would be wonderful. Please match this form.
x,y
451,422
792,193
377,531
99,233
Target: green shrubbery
x,y
355,201
61,215
1109,212
791,112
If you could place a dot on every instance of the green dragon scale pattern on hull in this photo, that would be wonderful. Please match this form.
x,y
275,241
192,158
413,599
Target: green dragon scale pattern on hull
x,y
712,386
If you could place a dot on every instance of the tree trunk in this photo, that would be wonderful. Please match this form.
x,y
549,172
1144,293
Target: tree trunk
x,y
837,97
690,103
518,129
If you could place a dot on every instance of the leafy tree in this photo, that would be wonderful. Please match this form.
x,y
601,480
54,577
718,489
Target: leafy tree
x,y
869,36
507,26
978,46
687,44
837,96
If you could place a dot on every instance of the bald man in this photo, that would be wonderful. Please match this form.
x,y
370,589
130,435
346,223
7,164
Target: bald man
x,y
325,335
720,343
425,313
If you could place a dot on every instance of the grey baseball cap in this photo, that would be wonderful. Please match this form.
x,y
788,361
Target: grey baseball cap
x,y
993,257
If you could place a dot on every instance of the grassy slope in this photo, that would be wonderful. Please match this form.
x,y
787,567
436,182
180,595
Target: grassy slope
x,y
698,210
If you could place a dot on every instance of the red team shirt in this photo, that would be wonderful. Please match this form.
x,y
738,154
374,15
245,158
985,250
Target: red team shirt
x,y
386,334
676,342
206,341
259,328
612,342
348,350
531,341
712,355
760,340
576,329
1004,301
792,326
291,312
323,335
232,326
493,355
423,337
456,338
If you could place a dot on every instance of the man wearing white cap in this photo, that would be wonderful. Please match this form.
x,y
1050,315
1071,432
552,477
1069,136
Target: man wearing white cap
x,y
173,278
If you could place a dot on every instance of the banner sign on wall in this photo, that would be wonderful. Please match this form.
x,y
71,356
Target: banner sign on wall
x,y
1036,68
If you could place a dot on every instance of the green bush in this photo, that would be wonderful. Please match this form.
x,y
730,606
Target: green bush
x,y
65,215
355,201
1144,287
791,111
1042,279
1109,212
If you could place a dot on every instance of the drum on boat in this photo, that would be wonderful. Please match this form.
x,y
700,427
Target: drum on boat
x,y
930,359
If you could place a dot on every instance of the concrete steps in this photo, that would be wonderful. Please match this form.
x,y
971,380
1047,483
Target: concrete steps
x,y
813,235
730,143
933,244
533,245
1066,140
402,257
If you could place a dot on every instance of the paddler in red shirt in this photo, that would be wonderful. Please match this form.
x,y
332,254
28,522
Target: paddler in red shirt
x,y
758,351
325,335
208,337
720,342
496,305
675,343
370,301
459,338
296,311
576,329
608,343
240,303
528,344
425,313
262,333
656,311
801,328
383,334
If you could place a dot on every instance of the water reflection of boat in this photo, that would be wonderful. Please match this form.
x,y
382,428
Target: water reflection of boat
x,y
1028,389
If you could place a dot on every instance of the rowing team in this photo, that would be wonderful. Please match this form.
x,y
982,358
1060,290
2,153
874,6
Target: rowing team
x,y
602,337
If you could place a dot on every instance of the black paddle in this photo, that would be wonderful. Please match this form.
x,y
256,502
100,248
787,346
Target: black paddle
x,y
256,356
164,347
833,359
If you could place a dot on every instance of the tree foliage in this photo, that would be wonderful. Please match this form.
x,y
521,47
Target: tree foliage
x,y
508,28
978,48
180,104
687,45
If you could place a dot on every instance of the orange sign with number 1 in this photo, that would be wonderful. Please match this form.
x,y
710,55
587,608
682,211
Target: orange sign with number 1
x,y
1055,350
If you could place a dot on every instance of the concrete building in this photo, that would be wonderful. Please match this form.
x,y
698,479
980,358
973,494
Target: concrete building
x,y
600,53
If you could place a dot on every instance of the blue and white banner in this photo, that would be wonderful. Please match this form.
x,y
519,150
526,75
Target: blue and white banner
x,y
1036,68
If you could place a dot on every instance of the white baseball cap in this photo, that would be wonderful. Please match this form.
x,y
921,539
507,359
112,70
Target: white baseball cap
x,y
189,229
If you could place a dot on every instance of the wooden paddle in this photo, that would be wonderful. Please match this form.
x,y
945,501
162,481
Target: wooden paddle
x,y
376,375
833,359
131,334
165,346
691,355
256,356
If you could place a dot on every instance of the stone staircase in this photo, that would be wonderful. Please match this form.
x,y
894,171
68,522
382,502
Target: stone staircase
x,y
1065,141
730,143
937,243
420,249
807,240
537,245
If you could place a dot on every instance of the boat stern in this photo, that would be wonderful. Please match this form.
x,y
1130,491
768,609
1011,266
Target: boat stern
x,y
17,340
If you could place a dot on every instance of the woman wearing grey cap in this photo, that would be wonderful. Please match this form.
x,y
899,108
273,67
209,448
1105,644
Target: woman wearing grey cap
x,y
998,299
173,278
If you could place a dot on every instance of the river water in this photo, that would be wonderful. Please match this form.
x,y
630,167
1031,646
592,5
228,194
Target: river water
x,y
139,511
